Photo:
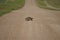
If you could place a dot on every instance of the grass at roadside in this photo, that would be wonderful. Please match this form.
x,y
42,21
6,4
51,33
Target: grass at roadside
x,y
42,4
10,5
54,3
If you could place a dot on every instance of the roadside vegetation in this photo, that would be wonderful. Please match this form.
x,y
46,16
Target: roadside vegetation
x,y
9,5
54,3
49,4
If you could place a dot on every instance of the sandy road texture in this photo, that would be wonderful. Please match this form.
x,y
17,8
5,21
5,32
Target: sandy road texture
x,y
45,24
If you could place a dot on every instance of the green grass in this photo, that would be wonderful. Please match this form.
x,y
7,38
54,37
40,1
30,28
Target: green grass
x,y
54,3
2,1
42,4
10,5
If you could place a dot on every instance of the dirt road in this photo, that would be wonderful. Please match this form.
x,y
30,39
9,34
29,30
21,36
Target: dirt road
x,y
45,24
